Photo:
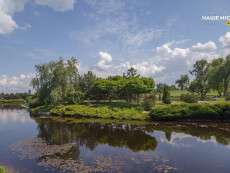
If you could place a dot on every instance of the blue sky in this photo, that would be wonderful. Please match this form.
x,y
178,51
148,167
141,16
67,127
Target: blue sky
x,y
161,38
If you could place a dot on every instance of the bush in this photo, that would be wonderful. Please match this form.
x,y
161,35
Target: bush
x,y
227,97
166,95
189,98
220,111
149,102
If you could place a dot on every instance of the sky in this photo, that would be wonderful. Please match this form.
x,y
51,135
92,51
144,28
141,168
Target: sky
x,y
160,38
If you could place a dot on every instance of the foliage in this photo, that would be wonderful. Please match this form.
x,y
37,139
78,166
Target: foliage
x,y
87,82
57,82
183,82
149,102
100,111
12,102
159,90
195,111
166,98
119,87
215,78
189,98
200,84
227,97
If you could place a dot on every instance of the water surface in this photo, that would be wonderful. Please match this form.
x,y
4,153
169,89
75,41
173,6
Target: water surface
x,y
37,145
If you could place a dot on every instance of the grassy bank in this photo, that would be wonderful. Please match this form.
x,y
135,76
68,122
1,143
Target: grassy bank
x,y
106,111
198,111
2,169
121,111
12,102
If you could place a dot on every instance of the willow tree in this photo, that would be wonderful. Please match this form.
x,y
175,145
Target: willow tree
x,y
57,82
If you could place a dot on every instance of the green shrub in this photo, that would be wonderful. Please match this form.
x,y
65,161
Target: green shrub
x,y
195,111
166,98
149,102
189,98
227,97
99,111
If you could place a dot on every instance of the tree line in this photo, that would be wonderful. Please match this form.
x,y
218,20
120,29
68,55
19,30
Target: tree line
x,y
214,75
60,82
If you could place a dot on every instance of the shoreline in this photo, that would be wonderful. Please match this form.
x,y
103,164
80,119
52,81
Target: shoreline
x,y
199,112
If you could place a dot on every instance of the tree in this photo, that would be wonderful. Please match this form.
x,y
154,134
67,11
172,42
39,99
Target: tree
x,y
87,82
183,82
57,82
200,71
166,98
160,89
226,74
215,76
132,72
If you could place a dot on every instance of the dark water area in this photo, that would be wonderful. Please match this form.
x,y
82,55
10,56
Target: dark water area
x,y
37,145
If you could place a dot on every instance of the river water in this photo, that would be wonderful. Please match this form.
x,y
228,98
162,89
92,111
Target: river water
x,y
37,145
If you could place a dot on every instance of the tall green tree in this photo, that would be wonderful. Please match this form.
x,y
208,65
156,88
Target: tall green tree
x,y
226,74
166,98
215,76
57,82
183,82
200,84
87,81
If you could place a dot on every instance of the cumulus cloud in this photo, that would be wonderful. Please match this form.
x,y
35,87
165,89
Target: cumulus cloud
x,y
205,47
167,51
58,5
104,59
105,66
7,24
9,7
225,39
19,83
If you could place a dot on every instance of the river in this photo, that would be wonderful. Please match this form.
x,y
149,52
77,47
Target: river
x,y
37,145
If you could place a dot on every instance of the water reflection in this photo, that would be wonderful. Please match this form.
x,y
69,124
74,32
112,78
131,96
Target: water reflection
x,y
91,134
47,145
212,132
14,116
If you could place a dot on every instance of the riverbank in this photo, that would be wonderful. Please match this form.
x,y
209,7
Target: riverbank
x,y
173,112
120,111
195,111
11,103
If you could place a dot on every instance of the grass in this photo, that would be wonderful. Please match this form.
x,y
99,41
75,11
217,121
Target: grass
x,y
12,102
2,169
196,111
106,111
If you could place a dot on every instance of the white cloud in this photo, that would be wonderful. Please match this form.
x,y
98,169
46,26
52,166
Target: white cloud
x,y
104,59
205,47
105,67
58,5
19,83
7,24
8,8
167,51
225,39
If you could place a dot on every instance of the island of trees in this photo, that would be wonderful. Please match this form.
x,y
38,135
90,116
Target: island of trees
x,y
60,90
